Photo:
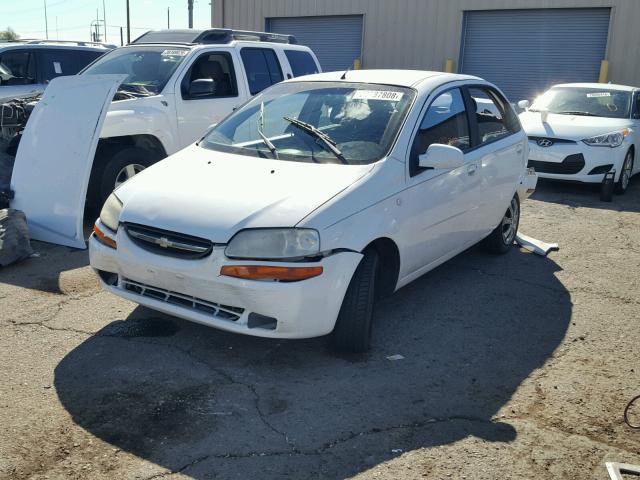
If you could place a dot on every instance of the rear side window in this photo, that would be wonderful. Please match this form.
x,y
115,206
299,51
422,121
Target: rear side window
x,y
262,67
495,117
17,67
302,63
57,63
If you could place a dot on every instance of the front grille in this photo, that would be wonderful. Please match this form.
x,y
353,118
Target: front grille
x,y
217,310
569,166
553,140
164,242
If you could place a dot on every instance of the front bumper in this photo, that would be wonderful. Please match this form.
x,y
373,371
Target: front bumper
x,y
577,162
195,291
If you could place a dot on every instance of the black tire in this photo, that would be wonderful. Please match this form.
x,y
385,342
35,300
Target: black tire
x,y
113,168
499,241
627,167
352,332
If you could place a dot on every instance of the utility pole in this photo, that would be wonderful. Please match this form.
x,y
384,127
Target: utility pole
x,y
128,25
121,37
190,4
168,17
104,19
46,23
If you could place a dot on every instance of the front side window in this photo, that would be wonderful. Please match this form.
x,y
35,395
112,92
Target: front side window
x,y
445,122
588,102
56,63
262,67
17,68
301,62
321,122
494,116
148,69
216,66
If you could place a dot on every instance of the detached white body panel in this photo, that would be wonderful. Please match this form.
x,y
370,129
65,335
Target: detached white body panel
x,y
52,169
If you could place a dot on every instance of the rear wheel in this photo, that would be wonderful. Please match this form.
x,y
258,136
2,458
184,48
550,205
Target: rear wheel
x,y
502,237
625,173
352,332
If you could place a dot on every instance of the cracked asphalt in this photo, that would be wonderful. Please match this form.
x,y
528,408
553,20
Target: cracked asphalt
x,y
514,367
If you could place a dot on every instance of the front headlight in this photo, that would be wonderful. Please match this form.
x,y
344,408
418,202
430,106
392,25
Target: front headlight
x,y
110,213
613,139
274,244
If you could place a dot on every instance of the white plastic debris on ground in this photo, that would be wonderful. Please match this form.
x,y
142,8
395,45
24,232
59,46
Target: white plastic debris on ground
x,y
536,246
14,237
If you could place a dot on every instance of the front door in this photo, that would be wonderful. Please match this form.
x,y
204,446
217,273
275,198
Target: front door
x,y
196,113
440,204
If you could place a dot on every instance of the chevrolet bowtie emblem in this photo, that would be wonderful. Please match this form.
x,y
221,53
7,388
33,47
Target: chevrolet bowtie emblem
x,y
164,242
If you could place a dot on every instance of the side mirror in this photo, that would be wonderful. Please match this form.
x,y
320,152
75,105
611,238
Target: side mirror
x,y
441,157
524,104
202,87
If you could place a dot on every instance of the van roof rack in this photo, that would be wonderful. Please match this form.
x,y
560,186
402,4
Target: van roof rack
x,y
211,36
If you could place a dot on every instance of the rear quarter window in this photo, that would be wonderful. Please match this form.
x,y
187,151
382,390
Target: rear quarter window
x,y
302,63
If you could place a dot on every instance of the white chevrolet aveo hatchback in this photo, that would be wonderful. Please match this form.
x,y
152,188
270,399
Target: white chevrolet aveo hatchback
x,y
581,131
291,216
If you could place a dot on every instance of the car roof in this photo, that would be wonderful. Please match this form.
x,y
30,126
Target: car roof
x,y
603,86
57,46
402,78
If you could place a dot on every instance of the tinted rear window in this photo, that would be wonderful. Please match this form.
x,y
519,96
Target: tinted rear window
x,y
57,63
302,63
262,67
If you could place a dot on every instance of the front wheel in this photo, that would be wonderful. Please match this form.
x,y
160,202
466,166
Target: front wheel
x,y
352,332
122,166
500,240
625,173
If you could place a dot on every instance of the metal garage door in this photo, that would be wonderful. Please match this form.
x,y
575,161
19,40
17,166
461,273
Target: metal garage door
x,y
526,51
336,40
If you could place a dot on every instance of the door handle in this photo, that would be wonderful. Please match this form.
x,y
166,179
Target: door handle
x,y
519,149
471,168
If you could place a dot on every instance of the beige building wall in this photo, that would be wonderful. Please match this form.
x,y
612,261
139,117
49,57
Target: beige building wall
x,y
423,34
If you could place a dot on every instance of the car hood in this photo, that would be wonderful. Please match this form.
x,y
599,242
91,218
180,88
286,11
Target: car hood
x,y
570,127
213,195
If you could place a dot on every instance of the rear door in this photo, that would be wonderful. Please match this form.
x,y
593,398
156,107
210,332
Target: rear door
x,y
18,73
262,68
499,150
197,113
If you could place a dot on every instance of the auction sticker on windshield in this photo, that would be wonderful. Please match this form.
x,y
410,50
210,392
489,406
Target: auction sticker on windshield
x,y
171,53
387,95
598,94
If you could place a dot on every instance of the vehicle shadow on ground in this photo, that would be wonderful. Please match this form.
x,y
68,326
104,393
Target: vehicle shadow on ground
x,y
211,404
45,270
587,195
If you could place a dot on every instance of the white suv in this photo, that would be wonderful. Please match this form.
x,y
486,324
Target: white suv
x,y
179,83
27,66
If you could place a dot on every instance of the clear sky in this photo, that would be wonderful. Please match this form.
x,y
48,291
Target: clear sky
x,y
74,17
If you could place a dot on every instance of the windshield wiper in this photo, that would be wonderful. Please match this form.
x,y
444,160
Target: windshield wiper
x,y
264,138
320,135
577,112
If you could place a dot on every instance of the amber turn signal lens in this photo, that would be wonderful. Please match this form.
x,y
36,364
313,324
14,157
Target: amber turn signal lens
x,y
258,272
109,242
